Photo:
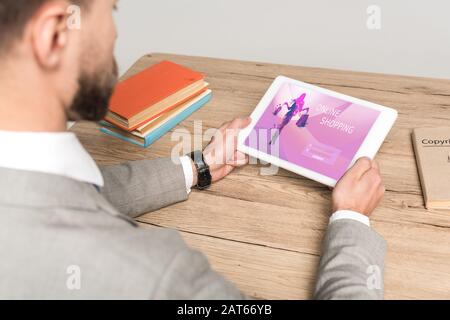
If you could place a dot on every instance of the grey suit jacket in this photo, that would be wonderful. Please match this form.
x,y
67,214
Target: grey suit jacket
x,y
64,239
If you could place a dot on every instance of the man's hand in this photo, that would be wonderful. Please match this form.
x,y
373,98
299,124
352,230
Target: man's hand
x,y
360,189
221,154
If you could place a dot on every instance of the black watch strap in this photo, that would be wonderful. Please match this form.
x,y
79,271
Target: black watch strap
x,y
204,178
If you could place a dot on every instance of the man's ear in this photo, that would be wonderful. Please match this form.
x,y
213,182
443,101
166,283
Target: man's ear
x,y
49,33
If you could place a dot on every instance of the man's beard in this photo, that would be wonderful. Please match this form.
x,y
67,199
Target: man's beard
x,y
91,101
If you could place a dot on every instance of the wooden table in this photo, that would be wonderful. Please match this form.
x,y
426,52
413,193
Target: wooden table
x,y
251,226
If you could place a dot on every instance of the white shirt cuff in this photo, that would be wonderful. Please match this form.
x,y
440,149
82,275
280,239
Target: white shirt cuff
x,y
188,174
352,215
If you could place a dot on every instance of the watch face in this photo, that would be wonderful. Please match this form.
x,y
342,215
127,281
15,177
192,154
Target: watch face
x,y
204,178
203,174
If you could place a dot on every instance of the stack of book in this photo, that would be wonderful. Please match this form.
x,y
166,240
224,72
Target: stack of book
x,y
147,105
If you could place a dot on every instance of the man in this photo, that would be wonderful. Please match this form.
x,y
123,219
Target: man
x,y
60,215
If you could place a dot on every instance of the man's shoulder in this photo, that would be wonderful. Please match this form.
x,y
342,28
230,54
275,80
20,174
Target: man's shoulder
x,y
130,256
115,258
120,241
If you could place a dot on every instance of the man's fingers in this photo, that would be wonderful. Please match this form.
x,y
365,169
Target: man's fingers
x,y
240,123
359,168
224,126
382,189
239,159
373,177
361,188
233,127
375,165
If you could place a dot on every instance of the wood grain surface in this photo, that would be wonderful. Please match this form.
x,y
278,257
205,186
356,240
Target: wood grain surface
x,y
264,232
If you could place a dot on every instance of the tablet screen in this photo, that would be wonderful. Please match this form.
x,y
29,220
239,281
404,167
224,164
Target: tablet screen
x,y
312,130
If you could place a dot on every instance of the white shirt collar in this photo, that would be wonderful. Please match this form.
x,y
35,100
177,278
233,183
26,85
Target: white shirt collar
x,y
52,153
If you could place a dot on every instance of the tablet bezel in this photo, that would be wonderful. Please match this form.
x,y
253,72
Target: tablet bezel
x,y
368,148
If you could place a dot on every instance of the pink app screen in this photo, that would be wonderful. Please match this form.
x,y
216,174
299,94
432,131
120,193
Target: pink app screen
x,y
312,130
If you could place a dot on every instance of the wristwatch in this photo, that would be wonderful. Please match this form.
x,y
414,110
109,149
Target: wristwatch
x,y
204,178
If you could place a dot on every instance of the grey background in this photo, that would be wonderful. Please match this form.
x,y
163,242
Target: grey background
x,y
414,38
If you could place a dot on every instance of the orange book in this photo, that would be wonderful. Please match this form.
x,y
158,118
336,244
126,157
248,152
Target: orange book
x,y
148,94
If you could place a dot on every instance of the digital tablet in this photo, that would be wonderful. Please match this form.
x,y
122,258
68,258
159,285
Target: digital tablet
x,y
314,132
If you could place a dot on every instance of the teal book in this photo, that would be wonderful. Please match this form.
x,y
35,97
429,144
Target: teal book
x,y
158,132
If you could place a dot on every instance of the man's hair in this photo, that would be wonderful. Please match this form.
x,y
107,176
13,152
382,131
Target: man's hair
x,y
14,15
